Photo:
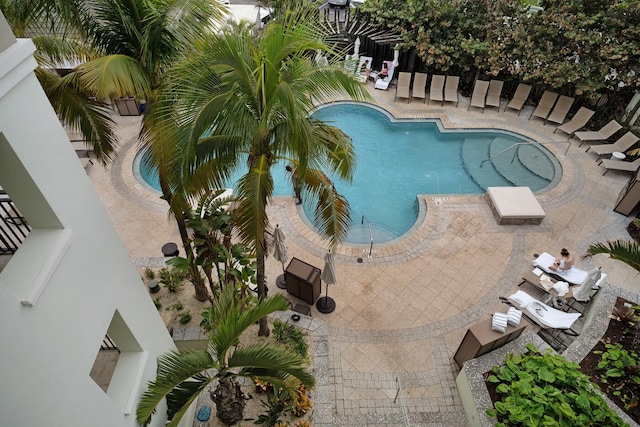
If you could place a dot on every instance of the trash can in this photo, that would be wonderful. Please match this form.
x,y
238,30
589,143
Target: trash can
x,y
303,280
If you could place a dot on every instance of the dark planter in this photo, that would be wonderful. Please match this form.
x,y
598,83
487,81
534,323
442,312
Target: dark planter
x,y
634,231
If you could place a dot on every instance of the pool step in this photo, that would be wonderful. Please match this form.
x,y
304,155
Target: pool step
x,y
534,158
510,166
474,152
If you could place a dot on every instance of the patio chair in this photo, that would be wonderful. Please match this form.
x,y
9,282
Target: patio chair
x,y
625,142
577,122
542,314
494,93
436,92
603,134
519,98
364,69
479,95
620,165
402,88
545,105
419,86
385,82
451,89
561,109
573,276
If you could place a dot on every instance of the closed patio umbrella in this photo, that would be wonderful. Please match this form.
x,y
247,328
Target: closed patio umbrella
x,y
328,275
280,254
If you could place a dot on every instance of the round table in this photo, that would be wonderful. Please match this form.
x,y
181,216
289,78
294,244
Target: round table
x,y
170,249
618,155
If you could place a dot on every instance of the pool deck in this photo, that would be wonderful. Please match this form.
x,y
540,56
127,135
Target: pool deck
x,y
402,312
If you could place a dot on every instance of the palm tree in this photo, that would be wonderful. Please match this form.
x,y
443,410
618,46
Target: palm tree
x,y
50,25
627,251
184,374
243,101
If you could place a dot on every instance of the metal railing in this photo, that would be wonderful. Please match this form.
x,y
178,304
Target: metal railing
x,y
14,228
370,235
108,344
403,406
517,146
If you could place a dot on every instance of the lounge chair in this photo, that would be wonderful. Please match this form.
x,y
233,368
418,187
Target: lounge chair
x,y
541,314
436,92
519,98
620,165
573,276
603,134
402,88
561,109
625,142
364,69
451,89
384,82
419,86
494,93
479,95
577,122
545,105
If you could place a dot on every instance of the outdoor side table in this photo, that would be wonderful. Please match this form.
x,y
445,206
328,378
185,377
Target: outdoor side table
x,y
481,339
303,280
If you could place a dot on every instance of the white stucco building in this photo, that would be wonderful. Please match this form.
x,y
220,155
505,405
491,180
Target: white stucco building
x,y
71,282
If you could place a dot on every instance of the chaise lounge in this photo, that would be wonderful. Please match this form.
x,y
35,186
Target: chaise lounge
x,y
577,122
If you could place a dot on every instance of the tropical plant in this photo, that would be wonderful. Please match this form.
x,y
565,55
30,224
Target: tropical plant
x,y
290,336
546,389
56,30
243,102
184,374
620,373
627,251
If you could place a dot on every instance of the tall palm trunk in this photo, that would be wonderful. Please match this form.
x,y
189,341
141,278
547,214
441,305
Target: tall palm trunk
x,y
229,400
263,331
201,293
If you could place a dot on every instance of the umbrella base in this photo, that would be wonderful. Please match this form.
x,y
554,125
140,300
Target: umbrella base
x,y
281,282
325,304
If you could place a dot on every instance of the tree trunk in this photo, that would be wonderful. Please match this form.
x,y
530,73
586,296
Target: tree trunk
x,y
201,293
263,331
229,401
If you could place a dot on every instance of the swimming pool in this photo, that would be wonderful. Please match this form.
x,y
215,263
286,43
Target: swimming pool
x,y
399,159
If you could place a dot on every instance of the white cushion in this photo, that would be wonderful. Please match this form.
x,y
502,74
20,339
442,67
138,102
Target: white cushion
x,y
499,322
513,316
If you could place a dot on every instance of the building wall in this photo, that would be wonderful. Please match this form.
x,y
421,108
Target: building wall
x,y
72,280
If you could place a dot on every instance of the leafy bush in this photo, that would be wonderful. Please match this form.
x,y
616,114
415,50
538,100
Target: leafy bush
x,y
149,273
171,279
302,402
545,389
291,336
621,376
274,409
184,318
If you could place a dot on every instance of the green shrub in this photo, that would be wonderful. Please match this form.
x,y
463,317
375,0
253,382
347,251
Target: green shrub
x,y
184,318
171,279
149,273
546,390
157,303
291,336
621,373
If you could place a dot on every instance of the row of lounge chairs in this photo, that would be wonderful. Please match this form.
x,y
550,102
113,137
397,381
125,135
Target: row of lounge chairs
x,y
486,94
442,89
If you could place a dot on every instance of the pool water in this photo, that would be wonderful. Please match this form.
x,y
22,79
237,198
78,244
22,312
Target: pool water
x,y
399,159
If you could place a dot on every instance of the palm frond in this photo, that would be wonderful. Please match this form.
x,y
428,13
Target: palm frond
x,y
181,377
266,359
115,76
627,251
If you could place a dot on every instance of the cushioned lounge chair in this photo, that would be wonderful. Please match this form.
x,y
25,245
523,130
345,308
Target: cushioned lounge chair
x,y
573,276
577,122
625,142
479,95
561,109
363,74
543,315
419,86
494,93
436,92
519,98
545,105
603,134
451,89
402,88
620,165
384,83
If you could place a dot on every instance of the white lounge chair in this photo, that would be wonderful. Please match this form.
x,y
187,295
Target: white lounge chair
x,y
364,68
543,314
519,98
625,142
573,276
386,81
479,94
577,122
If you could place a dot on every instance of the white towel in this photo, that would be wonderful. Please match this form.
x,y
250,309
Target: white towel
x,y
513,316
542,313
499,322
561,288
546,282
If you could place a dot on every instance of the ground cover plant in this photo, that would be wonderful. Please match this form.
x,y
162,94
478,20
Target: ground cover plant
x,y
614,363
544,389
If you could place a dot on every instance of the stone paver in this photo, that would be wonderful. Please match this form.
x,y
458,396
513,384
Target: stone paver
x,y
402,311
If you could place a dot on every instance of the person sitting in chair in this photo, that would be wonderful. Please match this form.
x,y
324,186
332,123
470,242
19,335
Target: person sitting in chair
x,y
564,263
384,73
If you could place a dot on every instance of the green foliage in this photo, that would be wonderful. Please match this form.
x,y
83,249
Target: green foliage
x,y
157,303
149,273
546,389
620,373
291,336
172,279
184,318
627,251
275,408
176,306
